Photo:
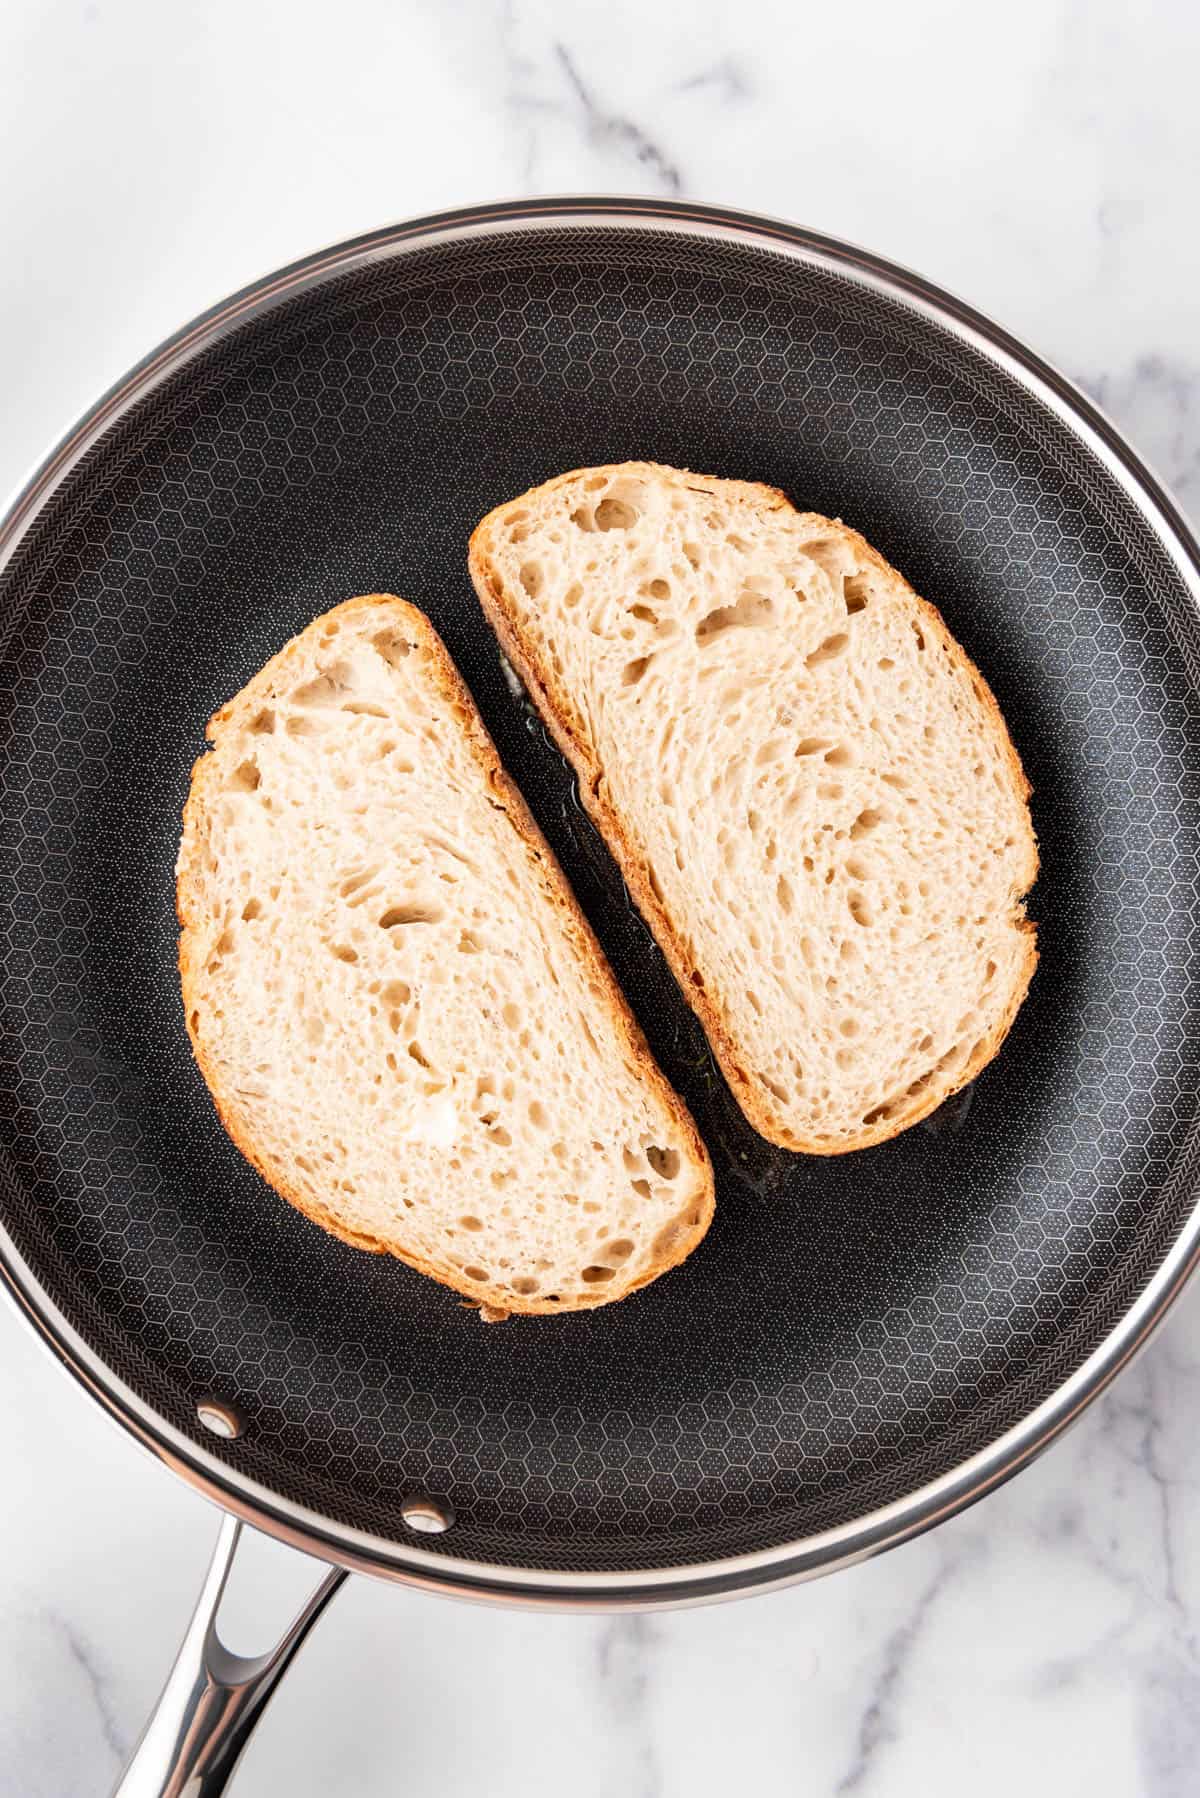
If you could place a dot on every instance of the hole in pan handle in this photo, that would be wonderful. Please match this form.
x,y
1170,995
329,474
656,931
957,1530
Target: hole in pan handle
x,y
213,1699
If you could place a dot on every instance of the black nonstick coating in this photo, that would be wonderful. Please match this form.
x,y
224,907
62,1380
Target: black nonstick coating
x,y
851,1328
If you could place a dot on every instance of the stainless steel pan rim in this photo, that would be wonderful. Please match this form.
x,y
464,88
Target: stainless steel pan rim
x,y
807,1557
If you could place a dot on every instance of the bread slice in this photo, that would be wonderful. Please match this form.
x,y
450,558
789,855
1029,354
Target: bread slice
x,y
404,1020
809,788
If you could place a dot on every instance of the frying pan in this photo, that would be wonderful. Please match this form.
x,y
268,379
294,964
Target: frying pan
x,y
861,1345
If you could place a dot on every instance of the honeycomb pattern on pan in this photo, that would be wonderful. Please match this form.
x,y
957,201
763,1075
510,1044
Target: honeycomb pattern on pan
x,y
850,1328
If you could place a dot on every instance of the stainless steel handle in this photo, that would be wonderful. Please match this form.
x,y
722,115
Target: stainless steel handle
x,y
212,1699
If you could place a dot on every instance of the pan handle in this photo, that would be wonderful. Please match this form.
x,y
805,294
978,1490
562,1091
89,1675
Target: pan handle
x,y
212,1699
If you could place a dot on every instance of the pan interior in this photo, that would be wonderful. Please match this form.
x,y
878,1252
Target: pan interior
x,y
851,1328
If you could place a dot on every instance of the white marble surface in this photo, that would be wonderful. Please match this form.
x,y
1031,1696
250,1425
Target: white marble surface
x,y
1039,158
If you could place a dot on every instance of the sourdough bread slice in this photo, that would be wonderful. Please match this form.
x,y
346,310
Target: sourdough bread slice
x,y
405,1022
809,788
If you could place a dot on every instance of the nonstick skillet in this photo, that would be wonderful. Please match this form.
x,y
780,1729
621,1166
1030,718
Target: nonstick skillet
x,y
861,1345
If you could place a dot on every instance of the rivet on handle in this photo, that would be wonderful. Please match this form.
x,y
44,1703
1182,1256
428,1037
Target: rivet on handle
x,y
222,1419
428,1515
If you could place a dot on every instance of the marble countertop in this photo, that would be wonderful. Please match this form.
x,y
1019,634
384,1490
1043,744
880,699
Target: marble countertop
x,y
1040,160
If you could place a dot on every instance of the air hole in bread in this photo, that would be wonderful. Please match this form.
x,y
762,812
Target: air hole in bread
x,y
828,651
641,1187
643,613
326,688
615,514
596,1275
524,1286
224,945
860,911
298,725
657,589
751,610
691,555
354,883
617,1251
886,662
245,778
856,593
773,750
754,1002
511,1014
264,724
414,912
849,1027
530,578
868,820
665,1162
898,781
784,894
840,757
812,746
844,1059
252,909
633,671
477,1273
857,869
919,634
775,1086
417,1054
344,952
830,790
538,1115
391,646
365,708
470,1222
828,555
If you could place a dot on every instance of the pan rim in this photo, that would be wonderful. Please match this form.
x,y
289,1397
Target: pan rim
x,y
808,1556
